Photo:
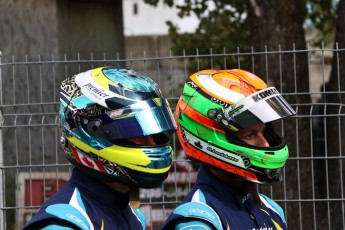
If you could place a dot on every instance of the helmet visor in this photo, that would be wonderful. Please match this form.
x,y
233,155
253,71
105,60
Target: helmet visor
x,y
260,107
140,119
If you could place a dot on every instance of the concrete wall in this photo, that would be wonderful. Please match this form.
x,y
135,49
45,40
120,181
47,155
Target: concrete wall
x,y
90,26
42,27
151,45
28,27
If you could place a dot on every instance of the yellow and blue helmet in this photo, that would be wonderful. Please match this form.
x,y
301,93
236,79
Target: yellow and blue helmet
x,y
101,110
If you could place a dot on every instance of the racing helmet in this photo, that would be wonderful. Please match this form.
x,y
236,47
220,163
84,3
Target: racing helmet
x,y
214,105
101,110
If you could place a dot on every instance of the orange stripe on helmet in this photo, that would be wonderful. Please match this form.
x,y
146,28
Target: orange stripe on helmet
x,y
249,77
199,117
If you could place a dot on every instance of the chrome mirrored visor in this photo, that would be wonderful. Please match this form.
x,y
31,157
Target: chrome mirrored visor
x,y
261,107
141,119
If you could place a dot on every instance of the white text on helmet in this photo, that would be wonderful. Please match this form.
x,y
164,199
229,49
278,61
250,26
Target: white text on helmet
x,y
192,84
219,102
222,154
93,89
264,94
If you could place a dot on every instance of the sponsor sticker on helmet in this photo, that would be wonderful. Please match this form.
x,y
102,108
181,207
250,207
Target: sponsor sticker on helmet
x,y
214,151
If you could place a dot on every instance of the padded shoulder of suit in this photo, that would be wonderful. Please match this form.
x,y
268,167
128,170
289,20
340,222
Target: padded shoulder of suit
x,y
74,212
198,209
70,214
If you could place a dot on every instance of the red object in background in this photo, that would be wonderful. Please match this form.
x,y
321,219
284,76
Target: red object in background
x,y
38,191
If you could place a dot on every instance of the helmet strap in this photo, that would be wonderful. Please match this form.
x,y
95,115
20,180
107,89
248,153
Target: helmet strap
x,y
134,200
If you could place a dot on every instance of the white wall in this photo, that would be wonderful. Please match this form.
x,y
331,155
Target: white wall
x,y
151,20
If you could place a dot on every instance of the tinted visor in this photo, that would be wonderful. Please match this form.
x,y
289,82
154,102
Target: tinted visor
x,y
261,107
140,119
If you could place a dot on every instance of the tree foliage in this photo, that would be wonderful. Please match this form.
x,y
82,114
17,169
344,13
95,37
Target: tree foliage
x,y
222,29
321,17
223,23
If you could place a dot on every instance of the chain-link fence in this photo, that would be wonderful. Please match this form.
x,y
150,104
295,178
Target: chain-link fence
x,y
33,167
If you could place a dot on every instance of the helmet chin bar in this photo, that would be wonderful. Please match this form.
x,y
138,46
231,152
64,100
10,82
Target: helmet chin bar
x,y
265,177
112,172
234,161
274,176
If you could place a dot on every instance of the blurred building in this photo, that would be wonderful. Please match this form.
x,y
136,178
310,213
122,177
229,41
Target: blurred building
x,y
143,19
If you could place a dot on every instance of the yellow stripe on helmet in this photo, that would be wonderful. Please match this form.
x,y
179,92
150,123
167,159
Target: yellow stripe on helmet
x,y
158,101
98,75
127,157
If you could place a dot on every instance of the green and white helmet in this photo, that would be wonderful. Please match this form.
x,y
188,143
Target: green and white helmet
x,y
217,103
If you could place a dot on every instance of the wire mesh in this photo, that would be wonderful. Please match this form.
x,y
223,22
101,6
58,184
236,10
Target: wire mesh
x,y
33,166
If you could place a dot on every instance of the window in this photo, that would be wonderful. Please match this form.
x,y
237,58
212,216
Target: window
x,y
135,8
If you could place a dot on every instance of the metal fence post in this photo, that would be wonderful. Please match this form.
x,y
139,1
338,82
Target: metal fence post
x,y
2,194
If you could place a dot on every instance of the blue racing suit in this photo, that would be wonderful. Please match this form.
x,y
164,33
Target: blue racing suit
x,y
86,204
211,204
